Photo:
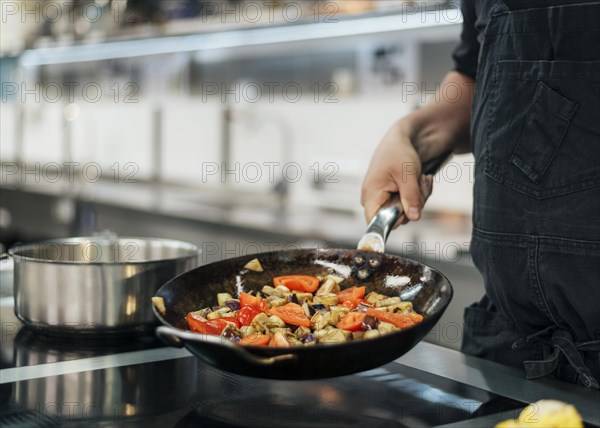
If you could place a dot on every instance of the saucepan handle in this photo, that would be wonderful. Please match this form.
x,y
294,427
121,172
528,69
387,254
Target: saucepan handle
x,y
177,338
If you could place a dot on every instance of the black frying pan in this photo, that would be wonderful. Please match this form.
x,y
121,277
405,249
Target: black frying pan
x,y
428,290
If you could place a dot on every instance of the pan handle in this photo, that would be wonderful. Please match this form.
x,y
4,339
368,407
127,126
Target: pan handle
x,y
380,227
177,338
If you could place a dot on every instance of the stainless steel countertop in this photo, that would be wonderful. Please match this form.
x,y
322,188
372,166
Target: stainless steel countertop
x,y
502,380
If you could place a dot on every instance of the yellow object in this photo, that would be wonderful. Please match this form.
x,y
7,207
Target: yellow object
x,y
547,414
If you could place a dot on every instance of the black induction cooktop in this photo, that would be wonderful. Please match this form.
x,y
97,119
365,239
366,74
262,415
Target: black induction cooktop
x,y
50,382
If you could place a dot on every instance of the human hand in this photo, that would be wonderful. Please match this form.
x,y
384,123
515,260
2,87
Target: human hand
x,y
396,168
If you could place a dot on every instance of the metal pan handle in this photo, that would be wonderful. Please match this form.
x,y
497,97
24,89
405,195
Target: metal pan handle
x,y
380,227
177,338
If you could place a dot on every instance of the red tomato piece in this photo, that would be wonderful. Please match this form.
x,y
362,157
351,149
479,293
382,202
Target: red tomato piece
x,y
399,320
249,300
303,283
213,327
255,340
291,313
352,321
352,296
247,314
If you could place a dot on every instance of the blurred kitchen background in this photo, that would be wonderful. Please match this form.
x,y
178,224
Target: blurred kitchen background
x,y
241,126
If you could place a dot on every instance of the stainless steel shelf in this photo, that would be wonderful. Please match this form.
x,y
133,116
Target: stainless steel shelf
x,y
444,23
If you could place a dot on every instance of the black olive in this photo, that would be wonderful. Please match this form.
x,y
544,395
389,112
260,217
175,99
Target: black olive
x,y
293,298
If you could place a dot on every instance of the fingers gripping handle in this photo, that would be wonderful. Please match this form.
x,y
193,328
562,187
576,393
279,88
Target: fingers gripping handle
x,y
389,213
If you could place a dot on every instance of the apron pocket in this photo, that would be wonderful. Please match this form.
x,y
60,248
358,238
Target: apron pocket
x,y
548,121
543,131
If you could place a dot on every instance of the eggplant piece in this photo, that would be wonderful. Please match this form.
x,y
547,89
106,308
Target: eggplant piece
x,y
332,318
293,340
232,333
311,309
260,322
357,335
386,327
302,332
202,313
402,308
159,304
370,334
284,330
306,309
362,307
274,321
390,301
373,297
222,298
328,299
293,298
309,339
302,297
247,330
319,320
279,339
233,305
328,286
276,301
267,289
214,315
337,279
369,323
282,291
254,265
332,336
341,311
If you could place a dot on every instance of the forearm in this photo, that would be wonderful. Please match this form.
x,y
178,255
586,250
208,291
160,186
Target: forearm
x,y
443,124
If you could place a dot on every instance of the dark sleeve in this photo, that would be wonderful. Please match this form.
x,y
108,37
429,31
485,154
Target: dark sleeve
x,y
466,54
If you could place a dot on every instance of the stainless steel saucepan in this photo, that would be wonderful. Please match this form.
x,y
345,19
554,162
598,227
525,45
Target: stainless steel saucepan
x,y
94,284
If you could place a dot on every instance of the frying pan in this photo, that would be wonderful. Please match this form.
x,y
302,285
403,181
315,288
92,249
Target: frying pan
x,y
429,291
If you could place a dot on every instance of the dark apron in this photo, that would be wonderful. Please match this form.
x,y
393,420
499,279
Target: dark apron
x,y
536,236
